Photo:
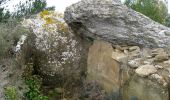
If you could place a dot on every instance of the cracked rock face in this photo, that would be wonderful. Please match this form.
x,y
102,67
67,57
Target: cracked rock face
x,y
114,22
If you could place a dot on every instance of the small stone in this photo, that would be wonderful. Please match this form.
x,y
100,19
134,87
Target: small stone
x,y
158,66
145,70
148,61
126,51
161,57
156,76
134,52
167,62
124,48
120,57
167,33
134,48
135,63
156,52
149,56
159,79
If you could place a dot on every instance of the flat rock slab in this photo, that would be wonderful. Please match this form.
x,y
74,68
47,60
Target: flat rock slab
x,y
114,22
145,70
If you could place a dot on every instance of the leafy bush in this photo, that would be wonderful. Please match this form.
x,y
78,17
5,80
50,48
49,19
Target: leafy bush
x,y
11,93
34,83
154,9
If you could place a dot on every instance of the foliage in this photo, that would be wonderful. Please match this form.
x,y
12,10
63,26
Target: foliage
x,y
154,9
34,83
4,16
23,9
31,7
11,93
38,6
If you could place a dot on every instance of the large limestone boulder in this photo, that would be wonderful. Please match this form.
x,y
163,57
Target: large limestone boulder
x,y
56,53
114,22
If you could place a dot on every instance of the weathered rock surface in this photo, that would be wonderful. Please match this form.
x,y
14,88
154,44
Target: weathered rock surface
x,y
145,70
131,56
10,77
55,52
102,68
114,22
135,63
139,88
130,79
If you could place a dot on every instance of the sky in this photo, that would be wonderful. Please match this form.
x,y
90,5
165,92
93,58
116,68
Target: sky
x,y
60,5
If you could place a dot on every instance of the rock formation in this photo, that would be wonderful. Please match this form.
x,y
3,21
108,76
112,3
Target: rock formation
x,y
110,52
55,51
129,57
114,22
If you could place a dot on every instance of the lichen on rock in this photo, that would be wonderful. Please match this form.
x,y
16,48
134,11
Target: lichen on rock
x,y
57,50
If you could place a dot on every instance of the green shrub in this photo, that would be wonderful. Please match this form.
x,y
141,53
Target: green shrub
x,y
154,9
10,93
34,86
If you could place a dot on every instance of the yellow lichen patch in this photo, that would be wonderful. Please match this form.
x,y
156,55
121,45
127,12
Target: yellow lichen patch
x,y
49,20
44,13
53,18
63,27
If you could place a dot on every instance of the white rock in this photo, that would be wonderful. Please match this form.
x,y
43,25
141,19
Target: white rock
x,y
148,61
145,70
20,42
158,66
135,63
167,62
156,76
120,57
159,79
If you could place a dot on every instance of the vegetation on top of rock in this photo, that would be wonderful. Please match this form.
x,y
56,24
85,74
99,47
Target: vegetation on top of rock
x,y
52,38
34,84
23,9
29,7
